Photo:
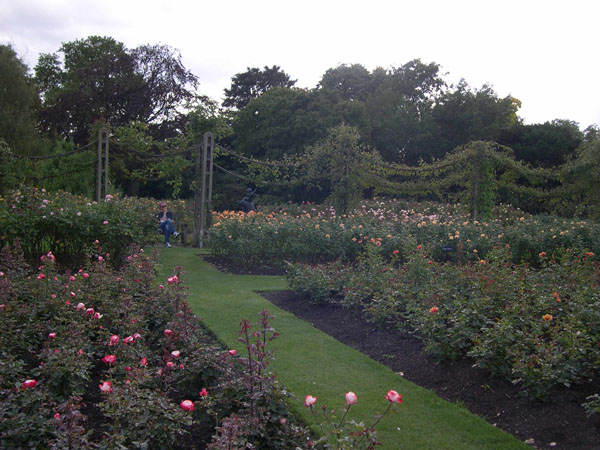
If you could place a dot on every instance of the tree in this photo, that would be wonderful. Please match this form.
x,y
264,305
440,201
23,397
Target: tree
x,y
546,145
100,80
402,129
463,115
251,84
18,103
353,83
282,121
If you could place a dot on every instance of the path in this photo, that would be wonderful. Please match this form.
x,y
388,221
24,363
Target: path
x,y
308,361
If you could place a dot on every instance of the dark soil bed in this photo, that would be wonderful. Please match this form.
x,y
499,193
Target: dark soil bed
x,y
558,424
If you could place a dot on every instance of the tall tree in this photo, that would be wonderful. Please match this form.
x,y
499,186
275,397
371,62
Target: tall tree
x,y
463,114
251,84
283,121
402,128
351,82
100,79
18,103
546,145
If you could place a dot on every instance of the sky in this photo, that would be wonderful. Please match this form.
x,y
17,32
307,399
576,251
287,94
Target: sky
x,y
544,53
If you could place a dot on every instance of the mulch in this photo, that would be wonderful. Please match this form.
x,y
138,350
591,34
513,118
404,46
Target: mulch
x,y
559,423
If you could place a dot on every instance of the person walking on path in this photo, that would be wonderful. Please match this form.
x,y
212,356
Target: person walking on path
x,y
166,225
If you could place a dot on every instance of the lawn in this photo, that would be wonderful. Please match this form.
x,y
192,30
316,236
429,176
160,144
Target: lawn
x,y
308,361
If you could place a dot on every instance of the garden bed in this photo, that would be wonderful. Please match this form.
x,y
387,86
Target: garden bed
x,y
559,423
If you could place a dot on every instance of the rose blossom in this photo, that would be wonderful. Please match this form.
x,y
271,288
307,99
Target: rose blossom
x,y
28,384
175,353
114,340
109,359
309,400
203,392
128,340
80,306
232,352
52,335
393,397
168,332
106,386
351,398
434,309
187,405
144,361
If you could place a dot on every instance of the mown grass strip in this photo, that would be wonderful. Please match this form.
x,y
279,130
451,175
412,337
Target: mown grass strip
x,y
308,361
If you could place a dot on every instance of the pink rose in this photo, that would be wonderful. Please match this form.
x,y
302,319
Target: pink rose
x,y
85,275
168,332
128,340
52,335
232,352
203,392
114,340
28,384
175,353
393,397
106,386
351,398
89,311
109,359
187,405
144,361
41,276
80,306
170,364
309,400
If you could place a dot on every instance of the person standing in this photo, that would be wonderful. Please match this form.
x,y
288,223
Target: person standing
x,y
166,223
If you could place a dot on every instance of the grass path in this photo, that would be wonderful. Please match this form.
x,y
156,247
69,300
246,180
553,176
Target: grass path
x,y
308,361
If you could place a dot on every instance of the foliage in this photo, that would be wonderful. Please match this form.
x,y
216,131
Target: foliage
x,y
99,79
534,324
254,82
339,163
112,372
72,228
548,144
18,103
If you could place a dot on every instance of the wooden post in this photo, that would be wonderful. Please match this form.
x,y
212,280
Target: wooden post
x,y
99,168
197,194
102,166
206,162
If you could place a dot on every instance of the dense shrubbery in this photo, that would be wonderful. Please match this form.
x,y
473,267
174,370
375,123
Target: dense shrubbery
x,y
69,226
311,234
536,326
99,358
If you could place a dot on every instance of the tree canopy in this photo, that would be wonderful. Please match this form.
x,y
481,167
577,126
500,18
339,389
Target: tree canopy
x,y
251,84
99,79
18,102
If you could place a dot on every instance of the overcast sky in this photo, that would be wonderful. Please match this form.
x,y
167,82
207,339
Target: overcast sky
x,y
545,53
